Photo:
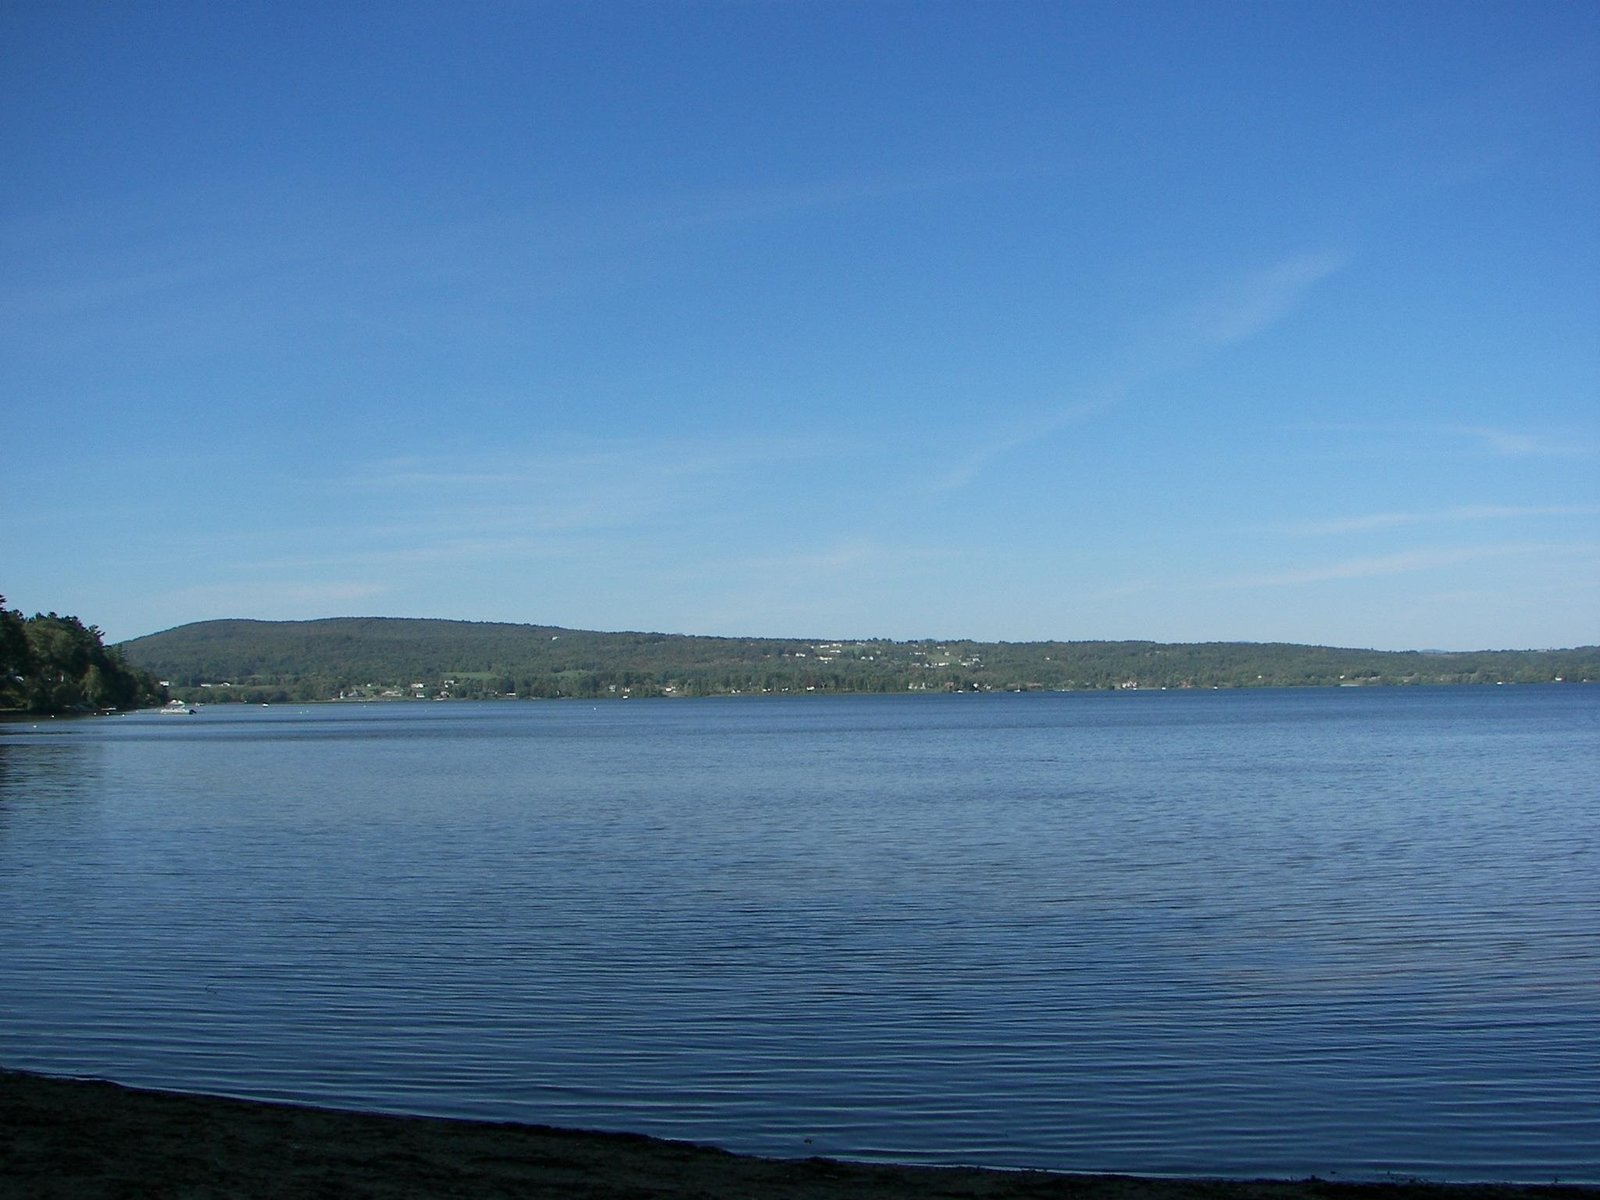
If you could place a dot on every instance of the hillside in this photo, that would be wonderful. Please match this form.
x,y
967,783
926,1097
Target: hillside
x,y
385,657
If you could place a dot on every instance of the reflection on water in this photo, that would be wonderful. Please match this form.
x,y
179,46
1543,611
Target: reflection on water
x,y
1225,933
42,775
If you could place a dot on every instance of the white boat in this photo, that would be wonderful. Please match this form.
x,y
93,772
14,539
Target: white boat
x,y
176,708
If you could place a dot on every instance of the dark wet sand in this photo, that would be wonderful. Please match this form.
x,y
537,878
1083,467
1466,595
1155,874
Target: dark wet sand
x,y
82,1138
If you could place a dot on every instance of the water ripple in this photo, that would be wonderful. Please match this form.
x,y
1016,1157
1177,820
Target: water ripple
x,y
1237,934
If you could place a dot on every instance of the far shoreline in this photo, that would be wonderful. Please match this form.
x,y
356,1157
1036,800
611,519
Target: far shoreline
x,y
21,716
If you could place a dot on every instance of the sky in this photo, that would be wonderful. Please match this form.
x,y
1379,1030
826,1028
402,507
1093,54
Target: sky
x,y
1017,321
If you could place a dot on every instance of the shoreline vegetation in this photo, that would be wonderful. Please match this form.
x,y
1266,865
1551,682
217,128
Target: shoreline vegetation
x,y
391,658
81,1138
53,664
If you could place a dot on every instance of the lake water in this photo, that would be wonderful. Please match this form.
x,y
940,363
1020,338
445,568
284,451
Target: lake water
x,y
1344,932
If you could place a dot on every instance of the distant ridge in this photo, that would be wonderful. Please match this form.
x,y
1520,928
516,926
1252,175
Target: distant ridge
x,y
401,657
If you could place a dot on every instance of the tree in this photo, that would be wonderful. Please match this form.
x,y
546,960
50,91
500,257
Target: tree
x,y
50,663
16,657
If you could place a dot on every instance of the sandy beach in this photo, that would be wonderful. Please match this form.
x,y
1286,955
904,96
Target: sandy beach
x,y
86,1138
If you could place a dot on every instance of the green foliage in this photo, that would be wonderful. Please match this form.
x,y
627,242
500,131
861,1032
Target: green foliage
x,y
16,658
52,664
368,657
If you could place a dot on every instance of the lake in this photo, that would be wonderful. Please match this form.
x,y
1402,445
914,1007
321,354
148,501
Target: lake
x,y
1348,932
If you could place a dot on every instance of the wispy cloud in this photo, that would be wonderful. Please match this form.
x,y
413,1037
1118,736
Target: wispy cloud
x,y
1232,313
1510,443
844,556
279,595
613,503
1401,563
111,288
1252,303
1004,441
585,484
1462,514
828,587
579,458
781,200
1402,439
429,550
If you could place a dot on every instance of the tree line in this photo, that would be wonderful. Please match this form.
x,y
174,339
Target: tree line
x,y
52,664
396,657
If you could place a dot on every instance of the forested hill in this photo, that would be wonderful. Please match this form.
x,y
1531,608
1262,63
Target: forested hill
x,y
373,657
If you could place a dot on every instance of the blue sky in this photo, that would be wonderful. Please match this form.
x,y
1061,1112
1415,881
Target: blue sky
x,y
1012,321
